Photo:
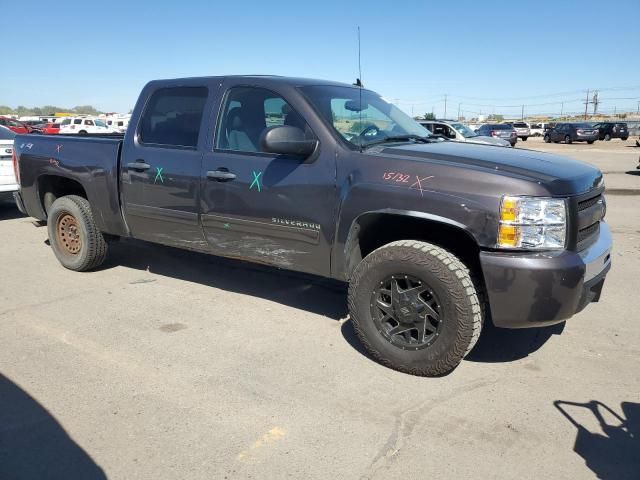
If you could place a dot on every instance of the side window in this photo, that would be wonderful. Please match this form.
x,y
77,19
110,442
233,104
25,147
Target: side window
x,y
440,129
89,122
247,112
173,116
77,121
66,121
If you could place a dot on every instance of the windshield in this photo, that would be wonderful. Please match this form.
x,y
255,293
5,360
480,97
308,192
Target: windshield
x,y
100,123
375,122
6,134
465,131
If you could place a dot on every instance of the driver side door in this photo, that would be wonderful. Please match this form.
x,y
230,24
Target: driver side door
x,y
269,208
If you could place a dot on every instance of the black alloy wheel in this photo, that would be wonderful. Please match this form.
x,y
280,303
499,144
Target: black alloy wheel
x,y
406,312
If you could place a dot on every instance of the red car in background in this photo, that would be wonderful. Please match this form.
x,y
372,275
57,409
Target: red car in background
x,y
50,128
15,125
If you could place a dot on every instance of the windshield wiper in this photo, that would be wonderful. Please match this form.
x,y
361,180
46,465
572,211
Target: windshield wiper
x,y
401,138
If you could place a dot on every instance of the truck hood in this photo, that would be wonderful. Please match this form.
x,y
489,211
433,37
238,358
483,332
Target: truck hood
x,y
559,175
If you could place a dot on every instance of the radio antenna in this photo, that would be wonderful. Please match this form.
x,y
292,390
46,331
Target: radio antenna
x,y
359,83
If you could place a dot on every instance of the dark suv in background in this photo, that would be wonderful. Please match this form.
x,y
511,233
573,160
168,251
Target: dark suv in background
x,y
499,130
609,130
571,132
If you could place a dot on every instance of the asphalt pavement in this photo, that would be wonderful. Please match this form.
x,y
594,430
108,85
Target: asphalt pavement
x,y
169,364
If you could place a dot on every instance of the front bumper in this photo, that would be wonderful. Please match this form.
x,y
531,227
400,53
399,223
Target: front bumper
x,y
539,289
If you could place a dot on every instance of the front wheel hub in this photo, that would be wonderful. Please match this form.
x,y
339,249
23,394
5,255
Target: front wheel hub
x,y
406,312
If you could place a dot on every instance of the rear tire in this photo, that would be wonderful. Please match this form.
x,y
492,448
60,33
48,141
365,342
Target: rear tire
x,y
590,142
447,316
82,132
74,237
524,139
547,139
567,139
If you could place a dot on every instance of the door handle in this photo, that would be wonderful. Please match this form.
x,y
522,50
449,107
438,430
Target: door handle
x,y
138,165
221,175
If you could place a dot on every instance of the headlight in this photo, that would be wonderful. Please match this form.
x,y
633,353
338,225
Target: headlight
x,y
532,223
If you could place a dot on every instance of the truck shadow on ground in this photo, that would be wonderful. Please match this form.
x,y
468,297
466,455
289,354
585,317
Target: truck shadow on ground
x,y
496,345
608,442
305,292
33,445
9,211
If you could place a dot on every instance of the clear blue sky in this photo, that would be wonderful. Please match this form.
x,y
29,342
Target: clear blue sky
x,y
481,54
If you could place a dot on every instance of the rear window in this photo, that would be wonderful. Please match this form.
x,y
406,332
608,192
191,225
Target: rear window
x,y
173,116
520,125
500,126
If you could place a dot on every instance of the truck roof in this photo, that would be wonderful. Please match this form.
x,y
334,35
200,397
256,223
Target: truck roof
x,y
297,81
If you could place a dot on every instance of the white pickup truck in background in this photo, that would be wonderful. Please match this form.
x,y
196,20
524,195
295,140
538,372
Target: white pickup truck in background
x,y
8,182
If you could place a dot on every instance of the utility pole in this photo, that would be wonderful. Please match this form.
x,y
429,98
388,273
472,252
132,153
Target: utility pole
x,y
445,105
595,103
586,105
638,107
522,118
561,109
461,104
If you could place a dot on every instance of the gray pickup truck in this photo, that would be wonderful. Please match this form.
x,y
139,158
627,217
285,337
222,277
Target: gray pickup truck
x,y
433,237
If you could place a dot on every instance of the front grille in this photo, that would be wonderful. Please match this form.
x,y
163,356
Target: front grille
x,y
586,235
589,202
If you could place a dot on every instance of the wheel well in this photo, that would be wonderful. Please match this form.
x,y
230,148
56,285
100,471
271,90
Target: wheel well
x,y
57,187
375,230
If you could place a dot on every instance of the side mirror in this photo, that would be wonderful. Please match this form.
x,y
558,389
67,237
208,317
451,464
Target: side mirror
x,y
287,140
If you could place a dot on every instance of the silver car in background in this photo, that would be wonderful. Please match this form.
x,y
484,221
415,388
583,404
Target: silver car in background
x,y
523,130
461,133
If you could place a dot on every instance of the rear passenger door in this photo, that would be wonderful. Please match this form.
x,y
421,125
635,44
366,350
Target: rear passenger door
x,y
160,170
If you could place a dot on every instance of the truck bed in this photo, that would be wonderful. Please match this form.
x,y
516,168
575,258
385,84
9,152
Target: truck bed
x,y
90,160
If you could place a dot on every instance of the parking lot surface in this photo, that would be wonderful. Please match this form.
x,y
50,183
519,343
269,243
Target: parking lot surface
x,y
168,364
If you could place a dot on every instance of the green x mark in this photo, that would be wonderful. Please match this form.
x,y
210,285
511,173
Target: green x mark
x,y
159,175
256,181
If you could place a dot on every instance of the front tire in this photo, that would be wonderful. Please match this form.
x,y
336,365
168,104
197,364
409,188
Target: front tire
x,y
547,139
415,307
75,239
607,138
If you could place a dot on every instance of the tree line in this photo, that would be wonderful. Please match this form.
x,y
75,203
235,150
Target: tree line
x,y
23,111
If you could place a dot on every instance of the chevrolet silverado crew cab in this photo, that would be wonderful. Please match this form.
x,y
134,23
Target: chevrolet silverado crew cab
x,y
434,238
